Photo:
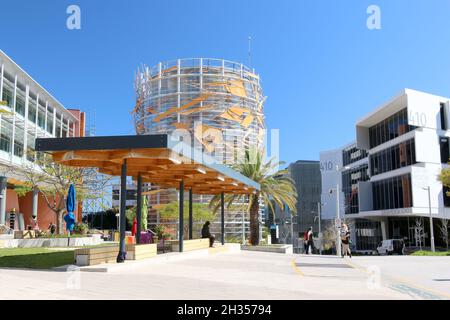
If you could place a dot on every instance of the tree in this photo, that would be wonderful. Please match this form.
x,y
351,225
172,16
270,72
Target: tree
x,y
275,185
444,177
52,180
443,227
130,214
419,232
200,213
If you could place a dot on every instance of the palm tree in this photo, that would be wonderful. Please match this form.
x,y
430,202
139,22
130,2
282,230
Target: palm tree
x,y
276,188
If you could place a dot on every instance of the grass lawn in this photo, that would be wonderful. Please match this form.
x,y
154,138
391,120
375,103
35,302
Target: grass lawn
x,y
40,258
430,253
35,258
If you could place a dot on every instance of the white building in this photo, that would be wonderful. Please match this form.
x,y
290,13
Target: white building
x,y
27,112
131,200
406,140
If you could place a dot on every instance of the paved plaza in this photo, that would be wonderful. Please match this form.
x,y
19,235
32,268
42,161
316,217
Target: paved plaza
x,y
242,275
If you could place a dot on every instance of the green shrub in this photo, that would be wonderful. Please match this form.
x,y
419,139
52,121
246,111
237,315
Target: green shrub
x,y
81,228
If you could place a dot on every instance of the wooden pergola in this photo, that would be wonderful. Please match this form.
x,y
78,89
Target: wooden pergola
x,y
155,159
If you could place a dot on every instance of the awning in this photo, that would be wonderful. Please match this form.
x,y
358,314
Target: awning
x,y
155,157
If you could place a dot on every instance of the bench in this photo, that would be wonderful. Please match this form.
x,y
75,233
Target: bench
x,y
189,245
97,255
141,251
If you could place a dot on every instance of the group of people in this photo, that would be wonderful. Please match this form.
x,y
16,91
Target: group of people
x,y
345,240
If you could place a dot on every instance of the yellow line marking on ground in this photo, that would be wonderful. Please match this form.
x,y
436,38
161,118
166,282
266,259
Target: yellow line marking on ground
x,y
296,268
402,281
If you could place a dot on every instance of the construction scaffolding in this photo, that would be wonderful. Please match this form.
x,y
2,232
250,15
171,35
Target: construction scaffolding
x,y
219,102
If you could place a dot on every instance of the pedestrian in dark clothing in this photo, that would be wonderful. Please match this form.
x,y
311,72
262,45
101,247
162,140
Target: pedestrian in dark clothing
x,y
52,228
345,239
305,241
207,234
310,240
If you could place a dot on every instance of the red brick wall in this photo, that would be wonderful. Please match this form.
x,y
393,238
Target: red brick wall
x,y
45,214
80,125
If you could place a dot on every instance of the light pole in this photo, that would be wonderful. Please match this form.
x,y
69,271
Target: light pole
x,y
431,219
319,205
338,218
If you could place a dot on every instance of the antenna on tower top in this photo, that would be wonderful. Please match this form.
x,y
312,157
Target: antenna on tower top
x,y
249,51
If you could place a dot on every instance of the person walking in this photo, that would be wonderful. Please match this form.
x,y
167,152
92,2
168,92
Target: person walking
x,y
345,239
310,240
305,241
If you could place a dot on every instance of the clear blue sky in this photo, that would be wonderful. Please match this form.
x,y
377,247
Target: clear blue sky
x,y
321,68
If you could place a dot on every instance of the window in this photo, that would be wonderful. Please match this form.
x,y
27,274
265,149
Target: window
x,y
20,105
41,117
350,179
389,128
50,120
392,193
5,137
18,142
446,195
8,97
352,155
442,114
32,110
393,158
444,150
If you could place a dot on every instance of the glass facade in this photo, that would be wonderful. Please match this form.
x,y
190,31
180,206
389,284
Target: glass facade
x,y
352,155
392,193
18,129
308,183
446,196
390,128
444,146
368,234
395,157
350,179
6,134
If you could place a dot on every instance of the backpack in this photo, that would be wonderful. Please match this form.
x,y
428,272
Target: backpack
x,y
305,236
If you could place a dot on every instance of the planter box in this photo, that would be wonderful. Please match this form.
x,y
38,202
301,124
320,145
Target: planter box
x,y
189,245
93,256
141,251
286,249
29,234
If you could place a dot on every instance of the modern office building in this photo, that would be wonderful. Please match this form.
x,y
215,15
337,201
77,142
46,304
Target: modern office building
x,y
396,185
307,178
306,175
131,200
27,111
214,105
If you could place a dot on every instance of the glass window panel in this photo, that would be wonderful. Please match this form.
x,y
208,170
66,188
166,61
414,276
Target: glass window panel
x,y
6,134
50,120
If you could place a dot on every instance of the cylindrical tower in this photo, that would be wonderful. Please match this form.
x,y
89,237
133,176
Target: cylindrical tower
x,y
208,97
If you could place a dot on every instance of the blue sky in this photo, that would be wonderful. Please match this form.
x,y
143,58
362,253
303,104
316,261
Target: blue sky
x,y
321,67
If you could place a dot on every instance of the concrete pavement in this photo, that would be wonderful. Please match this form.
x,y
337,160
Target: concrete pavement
x,y
237,275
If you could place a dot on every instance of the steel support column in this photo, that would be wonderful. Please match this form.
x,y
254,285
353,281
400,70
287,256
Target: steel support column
x,y
123,200
181,219
222,217
139,208
191,221
3,183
